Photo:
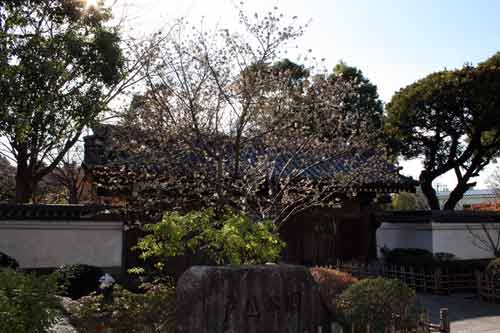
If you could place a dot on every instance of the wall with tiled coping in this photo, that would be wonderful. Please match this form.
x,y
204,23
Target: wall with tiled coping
x,y
50,236
448,237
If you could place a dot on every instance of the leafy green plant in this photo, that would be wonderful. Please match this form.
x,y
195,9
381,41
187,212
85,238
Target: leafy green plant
x,y
493,267
79,280
27,302
8,262
231,239
375,301
331,284
152,311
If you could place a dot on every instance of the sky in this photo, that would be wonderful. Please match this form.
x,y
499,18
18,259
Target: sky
x,y
394,42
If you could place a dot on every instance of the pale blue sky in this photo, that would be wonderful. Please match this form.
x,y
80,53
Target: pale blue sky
x,y
393,42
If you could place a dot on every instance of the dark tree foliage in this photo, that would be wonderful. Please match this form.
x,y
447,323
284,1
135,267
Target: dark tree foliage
x,y
450,118
58,65
295,71
365,105
359,108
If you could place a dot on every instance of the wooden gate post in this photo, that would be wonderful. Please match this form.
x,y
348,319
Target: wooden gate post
x,y
444,321
336,328
478,284
393,326
493,288
437,281
423,323
424,279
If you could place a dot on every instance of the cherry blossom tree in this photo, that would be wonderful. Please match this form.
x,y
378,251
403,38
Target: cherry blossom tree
x,y
225,122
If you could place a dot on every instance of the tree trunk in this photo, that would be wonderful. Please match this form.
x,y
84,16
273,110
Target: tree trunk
x,y
24,187
456,195
73,193
429,193
24,176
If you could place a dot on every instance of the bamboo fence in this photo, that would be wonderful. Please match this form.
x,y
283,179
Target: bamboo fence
x,y
437,281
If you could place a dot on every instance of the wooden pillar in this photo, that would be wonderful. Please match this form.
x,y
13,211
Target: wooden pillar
x,y
444,321
437,280
478,284
336,328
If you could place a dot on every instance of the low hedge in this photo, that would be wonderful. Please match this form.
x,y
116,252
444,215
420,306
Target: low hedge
x,y
463,265
410,257
421,259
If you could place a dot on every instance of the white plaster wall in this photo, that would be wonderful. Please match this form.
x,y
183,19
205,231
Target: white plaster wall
x,y
46,244
436,237
457,239
404,235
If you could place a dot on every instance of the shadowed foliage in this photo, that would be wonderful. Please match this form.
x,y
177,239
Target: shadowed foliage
x,y
60,64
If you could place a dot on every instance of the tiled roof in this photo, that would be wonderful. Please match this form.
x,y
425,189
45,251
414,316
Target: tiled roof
x,y
469,193
384,178
438,216
56,212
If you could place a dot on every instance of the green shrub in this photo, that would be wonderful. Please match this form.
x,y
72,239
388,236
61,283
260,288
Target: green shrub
x,y
331,284
8,262
421,259
374,301
229,239
444,257
27,302
410,257
153,311
493,267
76,281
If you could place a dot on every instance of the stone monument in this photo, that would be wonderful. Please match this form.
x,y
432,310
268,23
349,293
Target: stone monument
x,y
249,299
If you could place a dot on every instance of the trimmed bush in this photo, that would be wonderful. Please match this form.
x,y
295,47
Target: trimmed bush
x,y
424,260
27,302
410,257
374,301
8,262
331,284
493,267
444,257
76,281
151,311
